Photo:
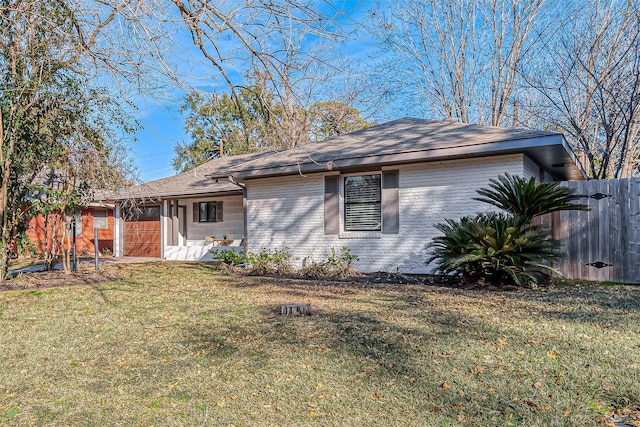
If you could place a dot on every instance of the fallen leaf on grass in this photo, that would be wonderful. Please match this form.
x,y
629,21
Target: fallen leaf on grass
x,y
478,369
444,386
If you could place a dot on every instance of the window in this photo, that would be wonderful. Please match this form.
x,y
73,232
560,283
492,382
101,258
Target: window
x,y
77,218
100,218
368,203
362,203
207,212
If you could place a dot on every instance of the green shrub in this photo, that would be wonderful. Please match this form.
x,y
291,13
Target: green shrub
x,y
528,199
340,262
107,252
504,248
267,261
344,258
495,248
228,256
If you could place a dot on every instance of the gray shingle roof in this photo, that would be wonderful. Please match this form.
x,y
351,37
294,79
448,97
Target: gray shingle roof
x,y
409,140
406,140
193,182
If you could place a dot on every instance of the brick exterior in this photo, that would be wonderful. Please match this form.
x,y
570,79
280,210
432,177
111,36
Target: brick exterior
x,y
288,212
84,242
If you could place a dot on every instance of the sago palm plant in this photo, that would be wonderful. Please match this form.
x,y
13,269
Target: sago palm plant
x,y
526,198
496,248
504,248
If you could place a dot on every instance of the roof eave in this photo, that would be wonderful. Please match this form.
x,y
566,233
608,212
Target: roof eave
x,y
174,195
544,150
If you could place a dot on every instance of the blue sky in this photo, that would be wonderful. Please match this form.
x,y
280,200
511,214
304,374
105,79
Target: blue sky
x,y
162,129
160,118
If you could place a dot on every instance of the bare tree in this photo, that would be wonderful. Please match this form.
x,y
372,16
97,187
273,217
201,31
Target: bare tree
x,y
282,46
591,82
456,55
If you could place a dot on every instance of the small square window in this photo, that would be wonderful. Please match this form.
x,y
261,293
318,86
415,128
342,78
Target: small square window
x,y
207,212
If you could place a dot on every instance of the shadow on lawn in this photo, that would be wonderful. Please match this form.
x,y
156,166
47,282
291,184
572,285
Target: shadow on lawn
x,y
211,343
592,304
375,341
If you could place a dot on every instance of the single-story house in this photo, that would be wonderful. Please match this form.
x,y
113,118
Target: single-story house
x,y
377,191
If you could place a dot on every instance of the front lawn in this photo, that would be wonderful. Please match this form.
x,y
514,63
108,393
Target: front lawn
x,y
180,344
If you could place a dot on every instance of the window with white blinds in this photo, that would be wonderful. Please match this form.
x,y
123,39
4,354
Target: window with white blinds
x,y
362,203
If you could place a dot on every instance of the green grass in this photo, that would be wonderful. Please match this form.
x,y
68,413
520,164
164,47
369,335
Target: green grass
x,y
177,344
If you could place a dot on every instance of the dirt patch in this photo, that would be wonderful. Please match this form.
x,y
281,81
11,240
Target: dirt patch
x,y
51,279
86,275
387,278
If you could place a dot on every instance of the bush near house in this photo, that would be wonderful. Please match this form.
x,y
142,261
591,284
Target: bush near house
x,y
270,261
278,261
504,248
229,257
336,266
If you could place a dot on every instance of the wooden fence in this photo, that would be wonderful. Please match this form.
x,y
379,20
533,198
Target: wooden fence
x,y
602,244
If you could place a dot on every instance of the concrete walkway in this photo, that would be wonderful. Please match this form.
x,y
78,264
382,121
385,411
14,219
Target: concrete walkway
x,y
84,261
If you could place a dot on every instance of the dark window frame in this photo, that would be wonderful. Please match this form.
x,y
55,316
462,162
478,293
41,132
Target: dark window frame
x,y
354,206
209,212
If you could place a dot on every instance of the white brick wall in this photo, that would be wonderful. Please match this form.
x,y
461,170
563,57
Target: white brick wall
x,y
531,169
232,220
289,212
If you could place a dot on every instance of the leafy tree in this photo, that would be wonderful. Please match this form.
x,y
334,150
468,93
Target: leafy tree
x,y
32,81
332,118
55,200
49,113
504,247
219,127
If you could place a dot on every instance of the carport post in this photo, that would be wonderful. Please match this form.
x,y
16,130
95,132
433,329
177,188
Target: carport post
x,y
95,245
74,266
